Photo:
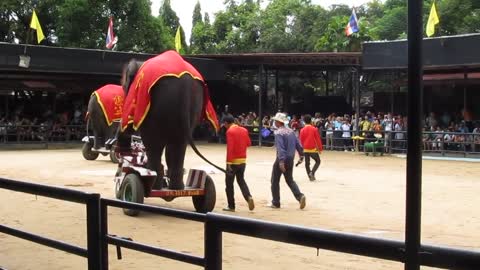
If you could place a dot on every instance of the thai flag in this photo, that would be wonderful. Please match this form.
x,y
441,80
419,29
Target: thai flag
x,y
111,38
352,26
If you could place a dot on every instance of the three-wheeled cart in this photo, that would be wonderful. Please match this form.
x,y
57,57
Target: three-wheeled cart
x,y
134,182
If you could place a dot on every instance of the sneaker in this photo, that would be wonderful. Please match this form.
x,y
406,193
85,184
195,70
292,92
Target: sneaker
x,y
271,205
311,177
251,204
228,209
303,202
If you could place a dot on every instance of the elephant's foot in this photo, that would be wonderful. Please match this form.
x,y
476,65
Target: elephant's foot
x,y
176,185
160,183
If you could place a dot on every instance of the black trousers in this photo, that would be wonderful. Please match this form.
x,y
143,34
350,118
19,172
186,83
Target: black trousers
x,y
276,174
316,158
238,171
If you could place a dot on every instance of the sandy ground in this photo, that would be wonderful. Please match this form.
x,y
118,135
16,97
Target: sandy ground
x,y
353,193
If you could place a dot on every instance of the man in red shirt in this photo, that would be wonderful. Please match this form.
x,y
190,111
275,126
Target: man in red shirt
x,y
312,145
237,143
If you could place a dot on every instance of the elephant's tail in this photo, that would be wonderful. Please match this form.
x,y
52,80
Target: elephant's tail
x,y
195,149
189,130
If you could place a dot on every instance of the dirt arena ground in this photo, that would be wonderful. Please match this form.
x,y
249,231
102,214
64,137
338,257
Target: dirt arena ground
x,y
353,193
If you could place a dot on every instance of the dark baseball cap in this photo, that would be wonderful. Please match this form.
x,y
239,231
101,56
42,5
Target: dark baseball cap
x,y
228,119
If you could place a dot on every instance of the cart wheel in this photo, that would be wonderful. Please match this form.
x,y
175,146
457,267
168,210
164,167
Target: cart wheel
x,y
206,203
114,157
87,152
132,190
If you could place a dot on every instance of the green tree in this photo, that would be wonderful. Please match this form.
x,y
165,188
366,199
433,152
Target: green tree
x,y
138,30
457,16
15,17
197,14
79,24
171,21
204,37
393,25
334,38
196,19
278,23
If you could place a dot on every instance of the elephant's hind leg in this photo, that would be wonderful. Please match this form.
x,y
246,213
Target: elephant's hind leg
x,y
175,155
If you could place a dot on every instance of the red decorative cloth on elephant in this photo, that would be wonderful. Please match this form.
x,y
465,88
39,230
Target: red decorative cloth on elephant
x,y
110,97
167,64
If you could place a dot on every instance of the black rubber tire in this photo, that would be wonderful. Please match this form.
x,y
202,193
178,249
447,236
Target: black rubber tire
x,y
114,157
132,190
206,203
87,152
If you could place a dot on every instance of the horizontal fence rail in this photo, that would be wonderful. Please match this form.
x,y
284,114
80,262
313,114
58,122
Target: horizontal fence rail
x,y
166,253
44,190
193,216
433,256
92,202
44,241
123,242
98,238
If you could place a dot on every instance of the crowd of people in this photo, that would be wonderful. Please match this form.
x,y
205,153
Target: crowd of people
x,y
443,132
452,132
301,134
19,126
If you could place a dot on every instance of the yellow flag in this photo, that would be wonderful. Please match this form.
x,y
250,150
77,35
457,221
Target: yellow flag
x,y
178,40
35,24
432,21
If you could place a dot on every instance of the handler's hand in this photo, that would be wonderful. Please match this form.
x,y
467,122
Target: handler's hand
x,y
281,165
300,161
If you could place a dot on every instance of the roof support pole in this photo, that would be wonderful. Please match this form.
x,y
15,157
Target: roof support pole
x,y
414,135
356,87
262,82
465,101
276,92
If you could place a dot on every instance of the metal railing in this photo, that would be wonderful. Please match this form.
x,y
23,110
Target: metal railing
x,y
129,244
98,238
92,202
40,133
433,256
396,142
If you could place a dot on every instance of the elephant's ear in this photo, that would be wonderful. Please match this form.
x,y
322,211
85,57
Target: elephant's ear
x,y
129,72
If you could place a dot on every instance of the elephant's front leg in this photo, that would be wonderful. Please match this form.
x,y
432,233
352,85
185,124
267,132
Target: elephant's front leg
x,y
175,155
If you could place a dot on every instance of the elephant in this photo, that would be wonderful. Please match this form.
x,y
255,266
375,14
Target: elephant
x,y
166,97
103,115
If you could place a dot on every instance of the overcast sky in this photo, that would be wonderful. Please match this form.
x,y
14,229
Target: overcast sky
x,y
184,9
